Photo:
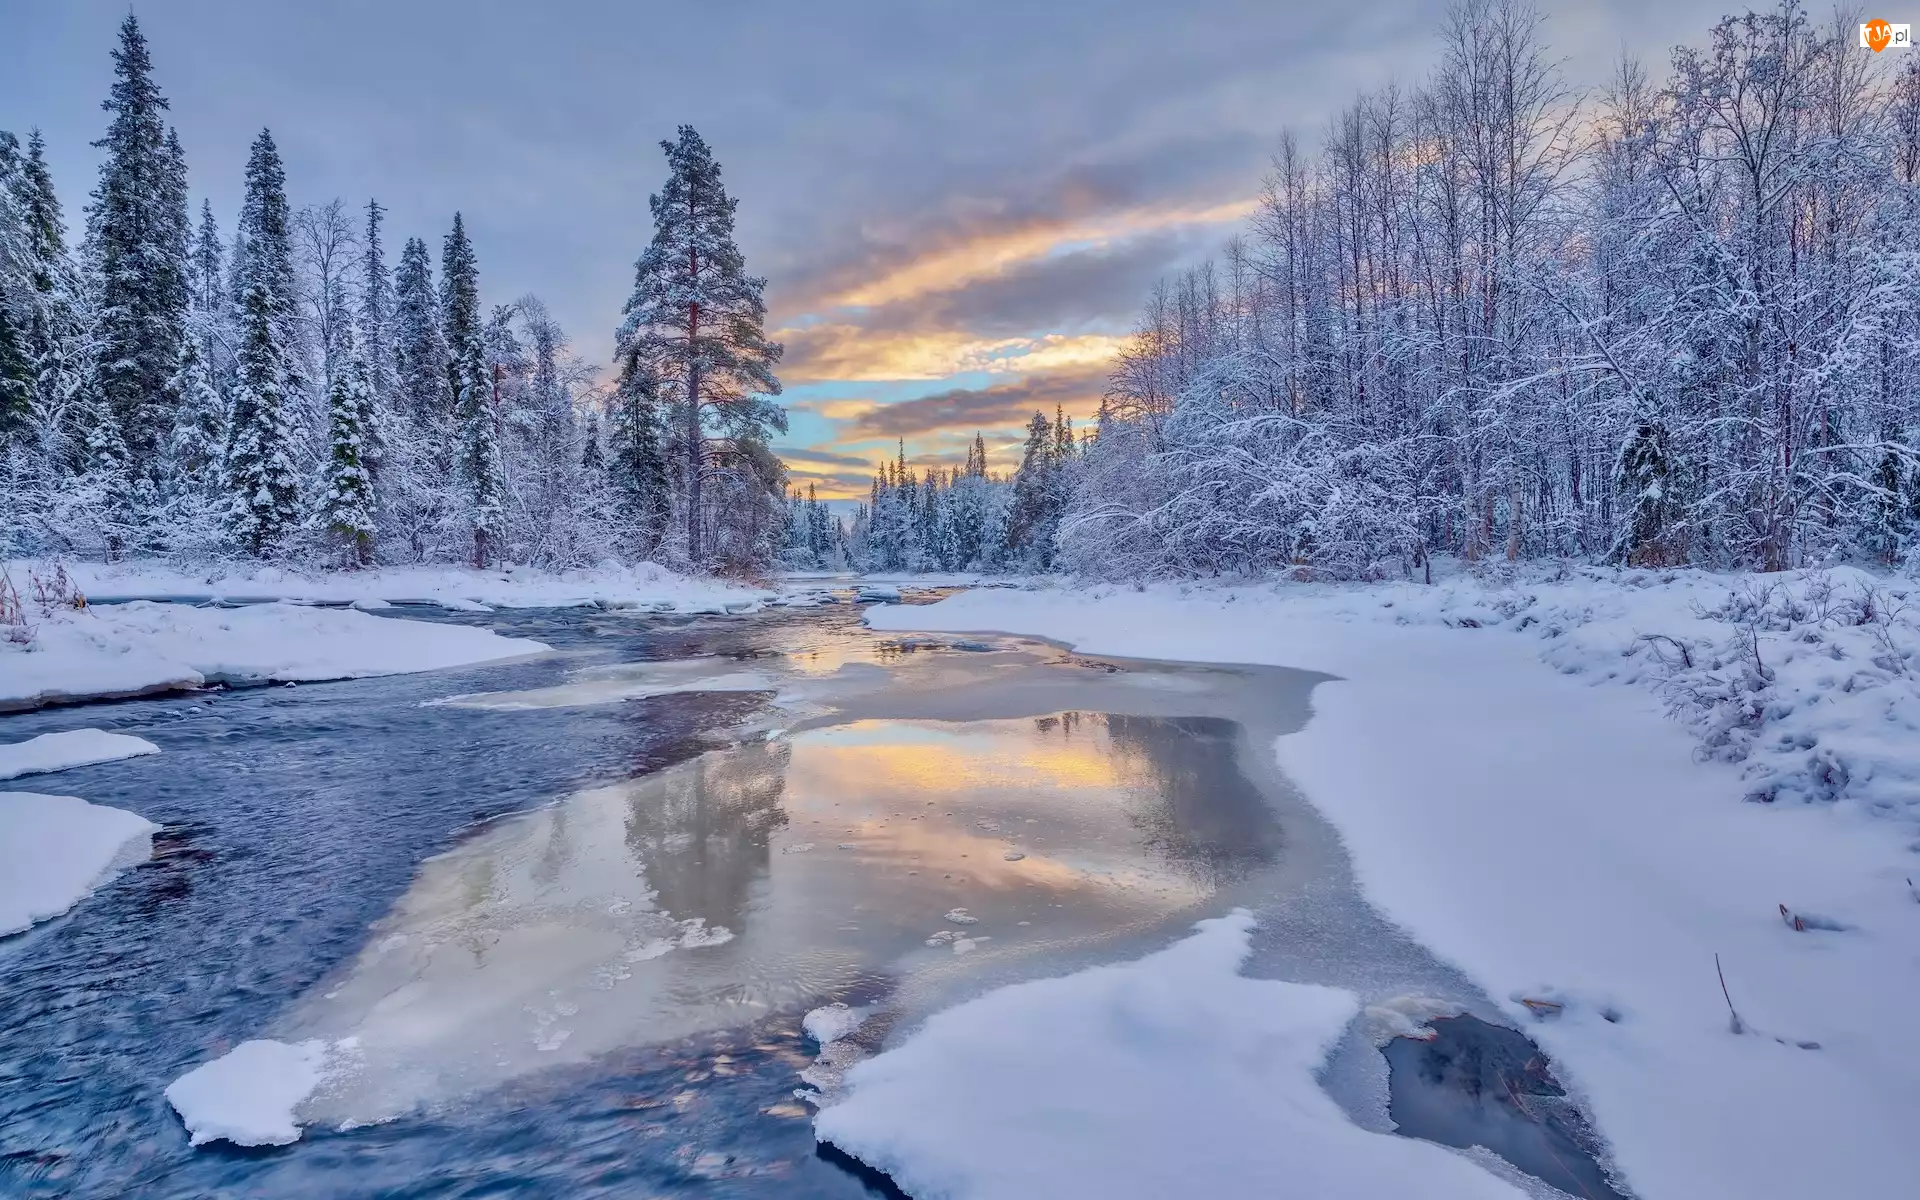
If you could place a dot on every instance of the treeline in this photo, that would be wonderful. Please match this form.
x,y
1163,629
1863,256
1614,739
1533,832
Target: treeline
x,y
288,395
963,519
1671,322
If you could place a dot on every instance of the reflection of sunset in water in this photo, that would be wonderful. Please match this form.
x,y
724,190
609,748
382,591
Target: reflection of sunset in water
x,y
891,858
943,758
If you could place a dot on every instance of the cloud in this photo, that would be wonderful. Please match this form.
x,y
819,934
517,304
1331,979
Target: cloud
x,y
833,410
1076,290
996,252
850,353
963,410
812,457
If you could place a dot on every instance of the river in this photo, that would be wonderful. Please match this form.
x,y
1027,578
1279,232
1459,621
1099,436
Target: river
x,y
568,912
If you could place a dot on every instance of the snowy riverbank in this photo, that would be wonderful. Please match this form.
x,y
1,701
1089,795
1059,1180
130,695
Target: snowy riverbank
x,y
1504,763
142,648
612,585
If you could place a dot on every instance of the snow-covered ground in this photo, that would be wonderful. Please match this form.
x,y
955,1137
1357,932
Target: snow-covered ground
x,y
613,585
1174,1075
73,748
54,850
142,647
1542,779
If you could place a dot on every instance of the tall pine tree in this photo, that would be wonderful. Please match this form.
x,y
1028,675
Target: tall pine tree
x,y
420,348
376,310
696,322
261,475
209,307
478,467
347,500
136,249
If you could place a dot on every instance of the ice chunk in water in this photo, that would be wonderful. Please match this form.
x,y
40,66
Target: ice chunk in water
x,y
832,1022
248,1096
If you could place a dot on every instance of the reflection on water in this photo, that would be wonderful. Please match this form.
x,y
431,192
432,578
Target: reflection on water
x,y
847,859
335,862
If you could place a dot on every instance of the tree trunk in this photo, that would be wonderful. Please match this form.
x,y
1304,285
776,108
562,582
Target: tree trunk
x,y
694,447
694,457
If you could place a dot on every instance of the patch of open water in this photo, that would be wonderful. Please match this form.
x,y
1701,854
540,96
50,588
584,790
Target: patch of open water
x,y
570,911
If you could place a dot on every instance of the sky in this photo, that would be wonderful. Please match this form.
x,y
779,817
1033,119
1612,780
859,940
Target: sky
x,y
959,207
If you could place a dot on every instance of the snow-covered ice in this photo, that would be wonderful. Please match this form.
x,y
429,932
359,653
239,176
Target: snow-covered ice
x,y
613,585
250,1095
831,1022
141,647
72,748
1501,764
55,850
1172,1075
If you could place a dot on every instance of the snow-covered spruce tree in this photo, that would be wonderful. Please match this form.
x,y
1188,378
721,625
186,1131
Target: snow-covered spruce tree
x,y
420,348
347,506
419,439
1648,482
16,294
460,318
263,485
60,329
376,312
197,449
477,467
136,251
636,465
16,373
106,492
31,260
207,274
1036,497
695,322
1888,522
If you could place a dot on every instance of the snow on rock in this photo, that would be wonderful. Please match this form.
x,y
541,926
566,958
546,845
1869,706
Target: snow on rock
x,y
250,1095
110,651
832,1022
73,748
54,850
1501,763
1173,1075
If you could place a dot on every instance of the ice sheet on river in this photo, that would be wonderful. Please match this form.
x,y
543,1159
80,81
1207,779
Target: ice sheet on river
x,y
1173,1075
55,850
70,748
250,1095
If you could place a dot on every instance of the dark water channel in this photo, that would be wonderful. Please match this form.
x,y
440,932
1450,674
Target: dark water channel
x,y
570,911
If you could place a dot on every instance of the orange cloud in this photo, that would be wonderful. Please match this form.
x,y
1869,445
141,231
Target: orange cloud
x,y
849,353
835,410
995,253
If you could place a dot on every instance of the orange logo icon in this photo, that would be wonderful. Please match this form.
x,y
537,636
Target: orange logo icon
x,y
1879,34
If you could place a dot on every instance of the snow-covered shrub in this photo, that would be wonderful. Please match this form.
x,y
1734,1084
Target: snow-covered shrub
x,y
1808,682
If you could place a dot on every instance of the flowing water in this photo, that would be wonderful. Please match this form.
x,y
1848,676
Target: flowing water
x,y
562,917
